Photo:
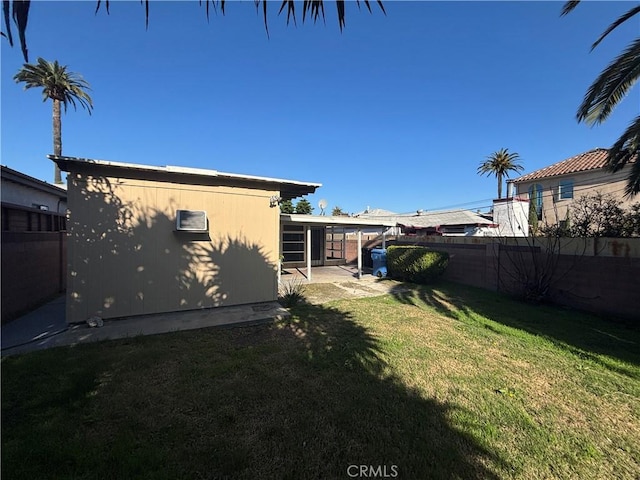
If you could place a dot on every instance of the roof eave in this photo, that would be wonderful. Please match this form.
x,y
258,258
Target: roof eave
x,y
289,189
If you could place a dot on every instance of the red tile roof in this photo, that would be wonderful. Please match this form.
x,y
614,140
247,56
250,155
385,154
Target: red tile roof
x,y
591,160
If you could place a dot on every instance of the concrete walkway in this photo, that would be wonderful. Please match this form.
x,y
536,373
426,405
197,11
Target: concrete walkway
x,y
36,327
46,327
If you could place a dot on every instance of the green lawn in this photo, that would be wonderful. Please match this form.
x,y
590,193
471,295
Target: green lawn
x,y
442,382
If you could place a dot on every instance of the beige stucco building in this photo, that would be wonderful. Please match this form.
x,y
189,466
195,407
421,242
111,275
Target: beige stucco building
x,y
146,239
552,189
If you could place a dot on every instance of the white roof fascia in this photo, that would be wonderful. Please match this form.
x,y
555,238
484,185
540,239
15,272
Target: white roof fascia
x,y
331,220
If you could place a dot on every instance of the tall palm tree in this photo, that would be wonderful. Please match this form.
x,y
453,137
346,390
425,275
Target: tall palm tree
x,y
500,163
604,94
62,87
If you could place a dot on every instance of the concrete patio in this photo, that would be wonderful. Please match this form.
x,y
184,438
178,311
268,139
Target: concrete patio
x,y
338,273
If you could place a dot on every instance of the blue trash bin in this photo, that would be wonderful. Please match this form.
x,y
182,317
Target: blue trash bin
x,y
379,259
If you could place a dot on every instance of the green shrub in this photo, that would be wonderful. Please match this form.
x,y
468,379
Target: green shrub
x,y
291,293
416,264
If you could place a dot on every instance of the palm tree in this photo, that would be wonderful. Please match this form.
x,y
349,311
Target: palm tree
x,y
604,94
19,10
62,87
500,163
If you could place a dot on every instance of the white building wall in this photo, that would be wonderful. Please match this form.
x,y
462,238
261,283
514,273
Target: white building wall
x,y
512,217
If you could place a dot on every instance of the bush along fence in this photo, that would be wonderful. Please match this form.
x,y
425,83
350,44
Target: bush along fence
x,y
598,275
416,264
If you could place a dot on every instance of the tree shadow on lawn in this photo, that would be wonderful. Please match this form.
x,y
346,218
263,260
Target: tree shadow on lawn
x,y
304,397
587,336
368,415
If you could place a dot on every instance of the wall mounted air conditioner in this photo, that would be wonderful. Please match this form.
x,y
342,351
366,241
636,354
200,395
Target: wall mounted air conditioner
x,y
191,221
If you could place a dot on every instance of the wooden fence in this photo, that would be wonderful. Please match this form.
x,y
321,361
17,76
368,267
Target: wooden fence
x,y
33,270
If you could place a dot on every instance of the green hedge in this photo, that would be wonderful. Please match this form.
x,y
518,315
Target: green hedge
x,y
416,264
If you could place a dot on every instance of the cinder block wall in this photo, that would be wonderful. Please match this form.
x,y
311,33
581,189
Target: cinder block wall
x,y
33,270
595,275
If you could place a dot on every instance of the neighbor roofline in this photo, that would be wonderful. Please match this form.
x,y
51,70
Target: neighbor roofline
x,y
28,181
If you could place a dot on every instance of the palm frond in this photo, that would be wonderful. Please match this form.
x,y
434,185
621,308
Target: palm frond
x,y
340,8
146,13
21,17
264,14
611,86
568,7
98,3
626,150
6,11
315,8
366,3
616,24
291,10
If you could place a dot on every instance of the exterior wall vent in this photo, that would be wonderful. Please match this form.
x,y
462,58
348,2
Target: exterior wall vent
x,y
191,221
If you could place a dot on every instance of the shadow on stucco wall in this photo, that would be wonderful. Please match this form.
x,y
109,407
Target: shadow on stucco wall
x,y
126,257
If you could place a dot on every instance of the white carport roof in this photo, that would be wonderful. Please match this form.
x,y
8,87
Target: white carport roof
x,y
336,221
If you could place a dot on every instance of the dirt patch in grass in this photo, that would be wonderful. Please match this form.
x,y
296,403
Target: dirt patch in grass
x,y
319,293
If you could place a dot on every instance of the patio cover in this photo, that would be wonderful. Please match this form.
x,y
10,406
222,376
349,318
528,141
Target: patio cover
x,y
325,221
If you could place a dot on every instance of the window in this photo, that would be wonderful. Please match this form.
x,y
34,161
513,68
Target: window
x,y
565,190
535,197
293,243
334,243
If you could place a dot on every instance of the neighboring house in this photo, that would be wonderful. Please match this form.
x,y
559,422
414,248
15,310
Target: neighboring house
x,y
552,189
33,242
145,239
380,215
31,205
458,223
509,218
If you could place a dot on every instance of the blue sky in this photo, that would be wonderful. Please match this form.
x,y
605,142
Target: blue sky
x,y
395,112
